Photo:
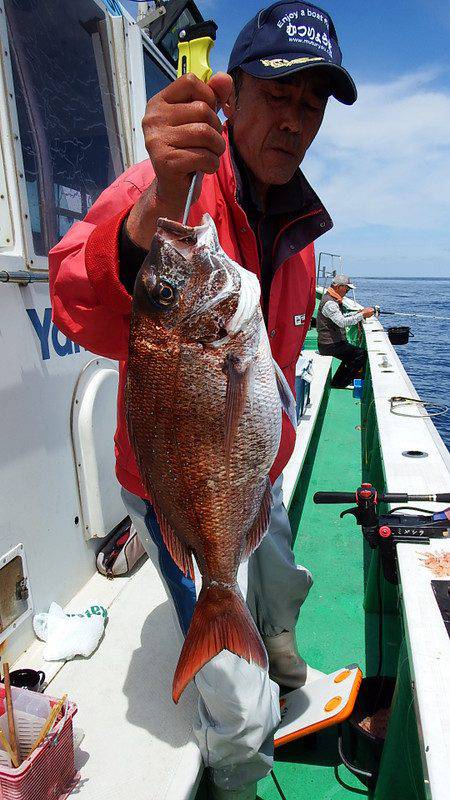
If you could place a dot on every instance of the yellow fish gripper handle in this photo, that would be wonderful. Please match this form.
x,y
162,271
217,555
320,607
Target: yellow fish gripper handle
x,y
194,46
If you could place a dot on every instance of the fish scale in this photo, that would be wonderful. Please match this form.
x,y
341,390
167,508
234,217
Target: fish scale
x,y
204,418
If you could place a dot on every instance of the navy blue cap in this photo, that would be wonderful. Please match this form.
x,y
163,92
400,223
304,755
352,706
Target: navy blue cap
x,y
289,37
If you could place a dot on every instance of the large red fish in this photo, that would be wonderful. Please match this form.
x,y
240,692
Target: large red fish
x,y
204,419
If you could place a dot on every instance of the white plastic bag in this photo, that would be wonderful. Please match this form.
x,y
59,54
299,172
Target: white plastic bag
x,y
70,635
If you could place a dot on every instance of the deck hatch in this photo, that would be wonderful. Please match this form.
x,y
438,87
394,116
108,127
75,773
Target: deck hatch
x,y
15,595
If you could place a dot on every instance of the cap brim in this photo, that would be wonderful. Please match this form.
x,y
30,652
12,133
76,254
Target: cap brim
x,y
342,84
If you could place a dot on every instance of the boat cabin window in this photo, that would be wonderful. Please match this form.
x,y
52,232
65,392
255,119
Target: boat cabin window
x,y
66,110
155,77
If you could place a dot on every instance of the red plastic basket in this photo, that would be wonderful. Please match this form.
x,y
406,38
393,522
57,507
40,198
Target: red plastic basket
x,y
49,773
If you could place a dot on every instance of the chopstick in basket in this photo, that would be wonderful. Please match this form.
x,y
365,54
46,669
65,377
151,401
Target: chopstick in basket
x,y
8,750
10,714
48,724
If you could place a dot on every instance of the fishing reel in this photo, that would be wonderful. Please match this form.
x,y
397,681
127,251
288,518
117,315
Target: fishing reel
x,y
384,531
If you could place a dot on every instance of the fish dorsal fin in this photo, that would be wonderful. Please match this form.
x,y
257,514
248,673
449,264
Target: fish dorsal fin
x,y
286,396
260,524
238,380
181,554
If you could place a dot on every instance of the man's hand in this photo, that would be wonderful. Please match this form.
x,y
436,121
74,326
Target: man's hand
x,y
182,136
183,132
367,312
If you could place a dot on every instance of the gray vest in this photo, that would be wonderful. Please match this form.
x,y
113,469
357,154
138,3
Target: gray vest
x,y
328,333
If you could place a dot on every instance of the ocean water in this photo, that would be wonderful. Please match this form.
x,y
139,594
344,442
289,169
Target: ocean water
x,y
427,356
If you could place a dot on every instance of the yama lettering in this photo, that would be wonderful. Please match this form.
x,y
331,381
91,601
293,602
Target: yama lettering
x,y
48,333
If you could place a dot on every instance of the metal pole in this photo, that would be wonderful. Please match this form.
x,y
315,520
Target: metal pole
x,y
23,277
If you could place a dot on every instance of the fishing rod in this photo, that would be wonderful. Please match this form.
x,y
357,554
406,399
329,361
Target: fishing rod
x,y
379,311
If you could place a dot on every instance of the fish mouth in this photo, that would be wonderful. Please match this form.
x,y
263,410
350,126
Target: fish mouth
x,y
181,237
183,233
184,238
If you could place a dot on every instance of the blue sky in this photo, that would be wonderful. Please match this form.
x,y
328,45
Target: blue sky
x,y
382,167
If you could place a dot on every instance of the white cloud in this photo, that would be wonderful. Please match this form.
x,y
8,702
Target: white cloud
x,y
386,160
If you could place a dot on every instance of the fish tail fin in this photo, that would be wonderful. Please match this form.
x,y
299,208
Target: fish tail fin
x,y
221,621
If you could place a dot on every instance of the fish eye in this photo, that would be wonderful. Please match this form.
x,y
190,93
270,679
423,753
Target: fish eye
x,y
164,294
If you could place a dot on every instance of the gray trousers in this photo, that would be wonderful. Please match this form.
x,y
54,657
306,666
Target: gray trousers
x,y
238,707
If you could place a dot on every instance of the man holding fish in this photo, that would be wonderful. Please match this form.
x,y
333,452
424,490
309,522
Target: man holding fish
x,y
200,427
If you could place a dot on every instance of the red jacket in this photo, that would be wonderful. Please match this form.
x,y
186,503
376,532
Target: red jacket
x,y
92,307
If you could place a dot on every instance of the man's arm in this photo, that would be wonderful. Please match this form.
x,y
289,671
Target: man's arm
x,y
89,302
90,288
332,311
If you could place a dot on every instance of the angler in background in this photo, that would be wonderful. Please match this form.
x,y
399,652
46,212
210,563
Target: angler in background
x,y
281,75
331,327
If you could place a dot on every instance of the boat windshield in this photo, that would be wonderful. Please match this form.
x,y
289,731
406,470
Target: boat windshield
x,y
66,110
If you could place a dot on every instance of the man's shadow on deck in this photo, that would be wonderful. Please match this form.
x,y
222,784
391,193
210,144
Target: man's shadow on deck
x,y
148,685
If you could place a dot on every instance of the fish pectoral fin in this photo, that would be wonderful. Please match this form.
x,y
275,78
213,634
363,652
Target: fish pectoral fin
x,y
238,379
286,396
260,524
180,553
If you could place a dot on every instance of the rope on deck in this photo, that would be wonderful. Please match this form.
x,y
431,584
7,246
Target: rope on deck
x,y
399,401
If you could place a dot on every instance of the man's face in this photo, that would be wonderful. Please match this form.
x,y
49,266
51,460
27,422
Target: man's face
x,y
274,122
